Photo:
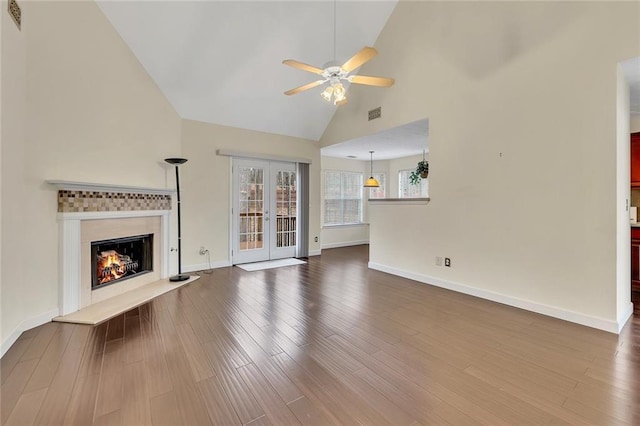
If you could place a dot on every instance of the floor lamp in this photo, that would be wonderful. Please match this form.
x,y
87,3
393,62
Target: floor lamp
x,y
180,277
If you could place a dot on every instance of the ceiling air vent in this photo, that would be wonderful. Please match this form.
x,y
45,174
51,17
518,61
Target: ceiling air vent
x,y
375,113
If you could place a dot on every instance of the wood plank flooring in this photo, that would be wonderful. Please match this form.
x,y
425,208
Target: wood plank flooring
x,y
327,342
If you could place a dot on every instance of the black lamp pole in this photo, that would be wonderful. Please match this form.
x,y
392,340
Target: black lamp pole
x,y
180,277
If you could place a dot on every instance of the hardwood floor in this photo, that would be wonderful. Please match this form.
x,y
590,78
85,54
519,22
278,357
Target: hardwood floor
x,y
329,342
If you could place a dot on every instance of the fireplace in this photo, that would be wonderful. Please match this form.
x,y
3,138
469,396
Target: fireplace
x,y
90,213
108,232
118,259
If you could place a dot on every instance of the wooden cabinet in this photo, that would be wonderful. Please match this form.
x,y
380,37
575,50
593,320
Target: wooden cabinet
x,y
635,232
635,160
635,254
635,267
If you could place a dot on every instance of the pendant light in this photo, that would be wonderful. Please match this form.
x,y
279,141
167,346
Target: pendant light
x,y
371,182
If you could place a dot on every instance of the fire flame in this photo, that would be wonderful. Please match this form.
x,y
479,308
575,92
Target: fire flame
x,y
112,265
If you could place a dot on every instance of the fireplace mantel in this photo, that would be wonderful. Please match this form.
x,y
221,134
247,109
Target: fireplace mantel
x,y
105,187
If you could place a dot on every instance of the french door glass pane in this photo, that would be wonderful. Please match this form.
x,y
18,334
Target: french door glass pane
x,y
285,208
251,212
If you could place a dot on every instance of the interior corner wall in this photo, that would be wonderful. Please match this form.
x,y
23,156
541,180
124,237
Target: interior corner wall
x,y
1,136
205,186
13,83
523,158
78,106
624,307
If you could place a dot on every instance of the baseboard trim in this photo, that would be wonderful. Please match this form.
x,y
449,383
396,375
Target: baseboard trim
x,y
206,266
624,317
25,325
551,311
315,252
344,244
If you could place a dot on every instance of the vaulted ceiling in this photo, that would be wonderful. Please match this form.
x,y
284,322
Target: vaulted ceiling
x,y
221,61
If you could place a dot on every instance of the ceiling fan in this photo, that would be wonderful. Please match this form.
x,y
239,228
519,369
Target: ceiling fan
x,y
335,74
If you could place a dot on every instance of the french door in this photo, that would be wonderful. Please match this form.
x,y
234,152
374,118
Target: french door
x,y
264,210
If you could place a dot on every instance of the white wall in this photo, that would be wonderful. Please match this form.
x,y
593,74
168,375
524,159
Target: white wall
x,y
206,182
14,88
523,159
81,108
635,123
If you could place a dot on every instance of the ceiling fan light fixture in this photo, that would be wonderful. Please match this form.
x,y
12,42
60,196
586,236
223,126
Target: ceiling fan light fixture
x,y
333,73
339,92
327,93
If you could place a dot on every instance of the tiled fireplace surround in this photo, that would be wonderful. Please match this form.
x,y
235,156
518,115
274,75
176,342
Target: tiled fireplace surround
x,y
93,212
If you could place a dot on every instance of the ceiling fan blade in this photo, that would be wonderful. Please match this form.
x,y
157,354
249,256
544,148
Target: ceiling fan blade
x,y
364,55
303,88
302,66
372,81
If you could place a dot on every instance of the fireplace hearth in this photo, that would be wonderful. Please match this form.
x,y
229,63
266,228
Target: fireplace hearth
x,y
118,259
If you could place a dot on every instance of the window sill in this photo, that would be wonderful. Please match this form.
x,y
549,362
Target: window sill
x,y
404,201
346,225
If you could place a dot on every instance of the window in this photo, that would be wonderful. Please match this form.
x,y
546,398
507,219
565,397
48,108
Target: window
x,y
342,198
406,190
380,191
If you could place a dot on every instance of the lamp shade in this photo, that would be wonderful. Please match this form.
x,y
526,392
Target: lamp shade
x,y
175,161
327,93
372,183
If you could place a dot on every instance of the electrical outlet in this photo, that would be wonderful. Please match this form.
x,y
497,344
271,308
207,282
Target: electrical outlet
x,y
203,251
316,239
438,261
447,262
